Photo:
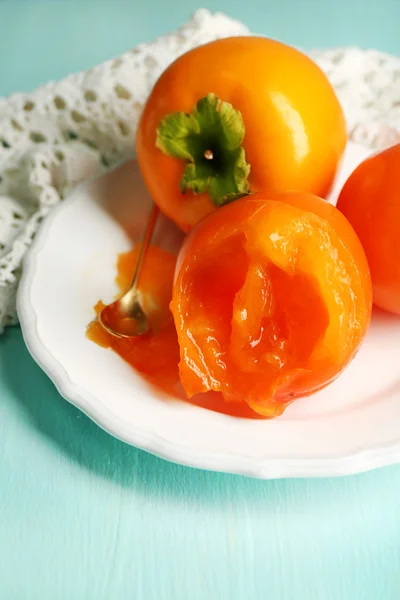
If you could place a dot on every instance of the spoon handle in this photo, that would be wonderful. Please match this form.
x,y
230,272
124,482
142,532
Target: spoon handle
x,y
148,234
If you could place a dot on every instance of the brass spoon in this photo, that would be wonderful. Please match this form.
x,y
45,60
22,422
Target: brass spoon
x,y
125,318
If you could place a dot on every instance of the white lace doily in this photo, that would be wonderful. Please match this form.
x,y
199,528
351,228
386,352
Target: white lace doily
x,y
64,132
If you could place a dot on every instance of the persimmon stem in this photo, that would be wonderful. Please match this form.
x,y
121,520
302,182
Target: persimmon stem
x,y
209,142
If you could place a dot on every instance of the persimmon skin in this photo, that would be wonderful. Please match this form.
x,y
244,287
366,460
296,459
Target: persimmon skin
x,y
370,199
295,128
303,323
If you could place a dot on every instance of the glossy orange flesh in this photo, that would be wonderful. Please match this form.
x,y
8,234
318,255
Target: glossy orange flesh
x,y
156,355
272,298
370,199
295,127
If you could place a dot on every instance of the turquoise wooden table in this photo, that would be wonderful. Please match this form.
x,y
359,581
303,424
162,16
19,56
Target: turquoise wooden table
x,y
85,517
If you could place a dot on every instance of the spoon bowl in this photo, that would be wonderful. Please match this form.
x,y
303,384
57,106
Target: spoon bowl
x,y
124,319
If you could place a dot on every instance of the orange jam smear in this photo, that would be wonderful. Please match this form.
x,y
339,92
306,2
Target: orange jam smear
x,y
156,355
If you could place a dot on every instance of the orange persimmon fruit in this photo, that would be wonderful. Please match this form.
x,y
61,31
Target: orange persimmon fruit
x,y
236,115
271,300
156,355
370,199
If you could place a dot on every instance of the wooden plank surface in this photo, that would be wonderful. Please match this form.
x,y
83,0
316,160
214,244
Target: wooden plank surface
x,y
85,517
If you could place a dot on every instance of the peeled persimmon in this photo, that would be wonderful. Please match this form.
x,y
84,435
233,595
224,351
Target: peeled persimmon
x,y
155,355
235,115
370,199
271,300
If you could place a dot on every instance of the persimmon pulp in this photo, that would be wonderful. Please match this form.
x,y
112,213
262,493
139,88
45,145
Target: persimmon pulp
x,y
252,322
156,355
272,298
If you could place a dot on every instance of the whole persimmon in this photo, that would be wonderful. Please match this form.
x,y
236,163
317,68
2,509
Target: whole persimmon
x,y
271,300
370,199
236,115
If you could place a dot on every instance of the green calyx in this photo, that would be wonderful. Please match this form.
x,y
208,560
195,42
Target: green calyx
x,y
209,141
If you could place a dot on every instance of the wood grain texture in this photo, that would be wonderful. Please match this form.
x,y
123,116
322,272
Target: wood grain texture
x,y
86,517
48,39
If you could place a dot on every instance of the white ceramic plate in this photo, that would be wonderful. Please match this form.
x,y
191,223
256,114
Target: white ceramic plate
x,y
351,426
